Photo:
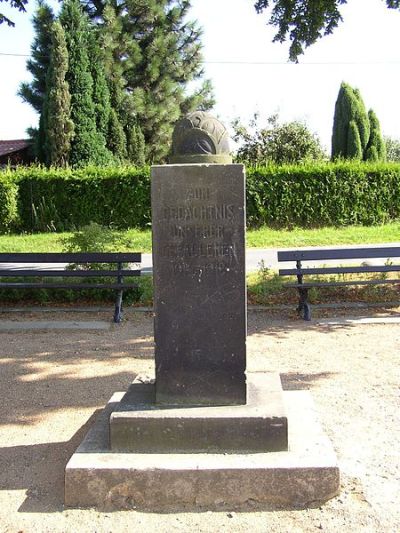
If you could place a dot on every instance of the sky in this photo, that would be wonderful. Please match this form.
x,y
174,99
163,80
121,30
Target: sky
x,y
250,74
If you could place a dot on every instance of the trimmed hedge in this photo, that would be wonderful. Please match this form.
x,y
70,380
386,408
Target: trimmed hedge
x,y
8,203
323,194
308,195
62,200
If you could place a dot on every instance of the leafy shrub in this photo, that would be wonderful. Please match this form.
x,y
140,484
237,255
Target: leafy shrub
x,y
96,238
8,203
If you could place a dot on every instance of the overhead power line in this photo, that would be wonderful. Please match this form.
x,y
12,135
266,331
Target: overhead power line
x,y
285,63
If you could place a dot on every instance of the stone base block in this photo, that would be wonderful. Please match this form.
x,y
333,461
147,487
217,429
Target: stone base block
x,y
306,474
140,425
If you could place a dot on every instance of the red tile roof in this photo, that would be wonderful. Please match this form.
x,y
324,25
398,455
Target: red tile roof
x,y
8,147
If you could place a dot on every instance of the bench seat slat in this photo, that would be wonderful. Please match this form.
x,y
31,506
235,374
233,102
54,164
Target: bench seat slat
x,y
14,273
338,270
78,257
341,283
339,253
38,285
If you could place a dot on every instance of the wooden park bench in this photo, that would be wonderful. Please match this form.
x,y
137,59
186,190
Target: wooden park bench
x,y
111,267
342,254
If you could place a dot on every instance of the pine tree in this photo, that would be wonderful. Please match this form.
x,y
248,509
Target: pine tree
x,y
160,53
57,108
38,64
376,148
88,145
349,109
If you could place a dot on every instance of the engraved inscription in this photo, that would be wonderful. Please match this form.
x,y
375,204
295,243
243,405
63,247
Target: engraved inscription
x,y
199,232
196,232
199,212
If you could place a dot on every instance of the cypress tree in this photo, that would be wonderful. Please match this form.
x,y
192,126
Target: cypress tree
x,y
34,92
57,109
88,145
354,147
116,139
101,92
349,108
376,148
136,145
112,43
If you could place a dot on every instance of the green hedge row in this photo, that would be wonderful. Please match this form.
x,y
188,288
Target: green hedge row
x,y
323,194
315,194
61,200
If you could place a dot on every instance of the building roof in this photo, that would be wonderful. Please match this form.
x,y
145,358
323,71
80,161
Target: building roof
x,y
9,147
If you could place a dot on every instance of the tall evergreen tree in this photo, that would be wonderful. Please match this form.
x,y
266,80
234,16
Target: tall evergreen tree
x,y
159,50
113,45
38,64
88,145
57,108
136,145
376,148
101,92
356,134
350,115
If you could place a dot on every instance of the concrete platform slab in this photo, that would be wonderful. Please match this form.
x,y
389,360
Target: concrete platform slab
x,y
306,474
139,424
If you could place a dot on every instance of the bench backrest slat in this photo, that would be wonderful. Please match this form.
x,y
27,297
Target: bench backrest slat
x,y
67,273
347,253
79,257
338,270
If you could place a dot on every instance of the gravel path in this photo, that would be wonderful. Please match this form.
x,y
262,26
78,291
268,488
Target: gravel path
x,y
52,383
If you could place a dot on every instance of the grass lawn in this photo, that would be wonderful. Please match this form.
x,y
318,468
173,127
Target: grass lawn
x,y
140,241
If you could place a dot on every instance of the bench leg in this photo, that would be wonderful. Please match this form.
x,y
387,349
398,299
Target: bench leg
x,y
304,306
118,308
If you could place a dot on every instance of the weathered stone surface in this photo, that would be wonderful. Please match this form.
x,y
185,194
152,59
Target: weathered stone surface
x,y
139,425
306,474
199,284
200,138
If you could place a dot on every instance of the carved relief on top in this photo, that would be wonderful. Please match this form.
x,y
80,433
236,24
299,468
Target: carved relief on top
x,y
200,137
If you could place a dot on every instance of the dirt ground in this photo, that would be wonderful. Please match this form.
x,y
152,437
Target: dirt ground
x,y
53,382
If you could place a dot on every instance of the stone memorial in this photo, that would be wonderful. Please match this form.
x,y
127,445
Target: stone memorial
x,y
204,431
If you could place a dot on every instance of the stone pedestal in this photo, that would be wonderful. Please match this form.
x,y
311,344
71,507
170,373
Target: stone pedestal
x,y
305,474
198,227
140,425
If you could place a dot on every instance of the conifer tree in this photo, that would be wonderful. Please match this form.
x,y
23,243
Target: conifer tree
x,y
88,145
136,145
159,50
356,134
33,92
57,108
38,64
112,43
376,148
101,92
116,138
350,115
